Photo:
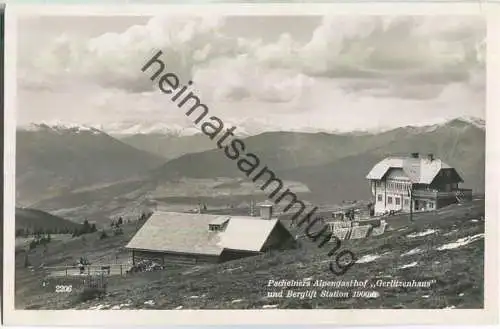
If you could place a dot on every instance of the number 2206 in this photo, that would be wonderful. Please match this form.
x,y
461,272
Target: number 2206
x,y
64,288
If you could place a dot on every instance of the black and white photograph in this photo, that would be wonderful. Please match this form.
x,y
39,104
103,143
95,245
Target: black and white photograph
x,y
219,161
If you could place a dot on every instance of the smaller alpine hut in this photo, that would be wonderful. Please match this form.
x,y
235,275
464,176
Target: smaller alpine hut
x,y
188,239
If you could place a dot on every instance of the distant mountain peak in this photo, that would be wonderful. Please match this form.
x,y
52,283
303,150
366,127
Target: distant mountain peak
x,y
59,127
469,120
244,129
459,122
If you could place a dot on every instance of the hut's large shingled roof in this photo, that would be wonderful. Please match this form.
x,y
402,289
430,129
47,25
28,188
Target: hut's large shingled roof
x,y
189,233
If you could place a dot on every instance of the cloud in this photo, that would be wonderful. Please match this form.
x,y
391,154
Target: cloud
x,y
114,59
234,79
349,72
418,49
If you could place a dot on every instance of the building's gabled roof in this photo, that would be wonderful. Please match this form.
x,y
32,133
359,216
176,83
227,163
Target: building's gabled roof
x,y
189,233
247,233
418,170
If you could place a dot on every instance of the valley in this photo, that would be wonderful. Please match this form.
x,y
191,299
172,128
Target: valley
x,y
117,179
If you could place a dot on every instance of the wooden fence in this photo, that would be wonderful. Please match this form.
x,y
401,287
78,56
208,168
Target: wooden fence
x,y
92,270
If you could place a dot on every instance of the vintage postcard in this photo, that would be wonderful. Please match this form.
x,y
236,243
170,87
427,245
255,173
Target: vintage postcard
x,y
286,164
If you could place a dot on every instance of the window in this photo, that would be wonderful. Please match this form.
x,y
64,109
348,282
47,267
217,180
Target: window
x,y
379,197
389,199
407,202
398,201
431,205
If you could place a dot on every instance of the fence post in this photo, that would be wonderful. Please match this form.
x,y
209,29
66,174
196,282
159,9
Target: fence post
x,y
66,267
88,269
121,270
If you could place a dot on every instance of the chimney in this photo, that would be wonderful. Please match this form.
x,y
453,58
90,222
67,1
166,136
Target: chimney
x,y
266,211
430,156
252,208
414,155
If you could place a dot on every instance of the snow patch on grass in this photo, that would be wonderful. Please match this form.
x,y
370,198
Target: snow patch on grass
x,y
408,265
367,259
419,234
371,258
193,270
461,242
99,307
414,251
270,306
232,269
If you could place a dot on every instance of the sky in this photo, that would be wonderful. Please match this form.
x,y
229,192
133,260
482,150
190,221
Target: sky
x,y
303,73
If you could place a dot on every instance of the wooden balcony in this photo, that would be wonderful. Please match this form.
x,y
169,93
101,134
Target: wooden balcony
x,y
435,194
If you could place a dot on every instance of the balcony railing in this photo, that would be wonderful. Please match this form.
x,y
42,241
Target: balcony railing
x,y
435,194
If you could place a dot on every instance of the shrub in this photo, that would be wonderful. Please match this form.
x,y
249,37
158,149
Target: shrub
x,y
103,235
90,293
33,244
26,260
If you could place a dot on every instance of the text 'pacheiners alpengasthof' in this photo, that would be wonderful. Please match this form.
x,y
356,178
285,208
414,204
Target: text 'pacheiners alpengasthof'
x,y
248,163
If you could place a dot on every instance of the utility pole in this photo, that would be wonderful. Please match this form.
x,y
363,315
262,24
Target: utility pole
x,y
411,203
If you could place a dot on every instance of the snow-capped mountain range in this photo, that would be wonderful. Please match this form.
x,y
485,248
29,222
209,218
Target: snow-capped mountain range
x,y
134,128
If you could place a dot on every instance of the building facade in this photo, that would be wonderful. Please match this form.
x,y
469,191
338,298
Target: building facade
x,y
414,183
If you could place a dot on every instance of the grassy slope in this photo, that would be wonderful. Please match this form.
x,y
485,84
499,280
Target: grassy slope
x,y
458,272
50,163
308,155
34,218
167,146
61,253
127,199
